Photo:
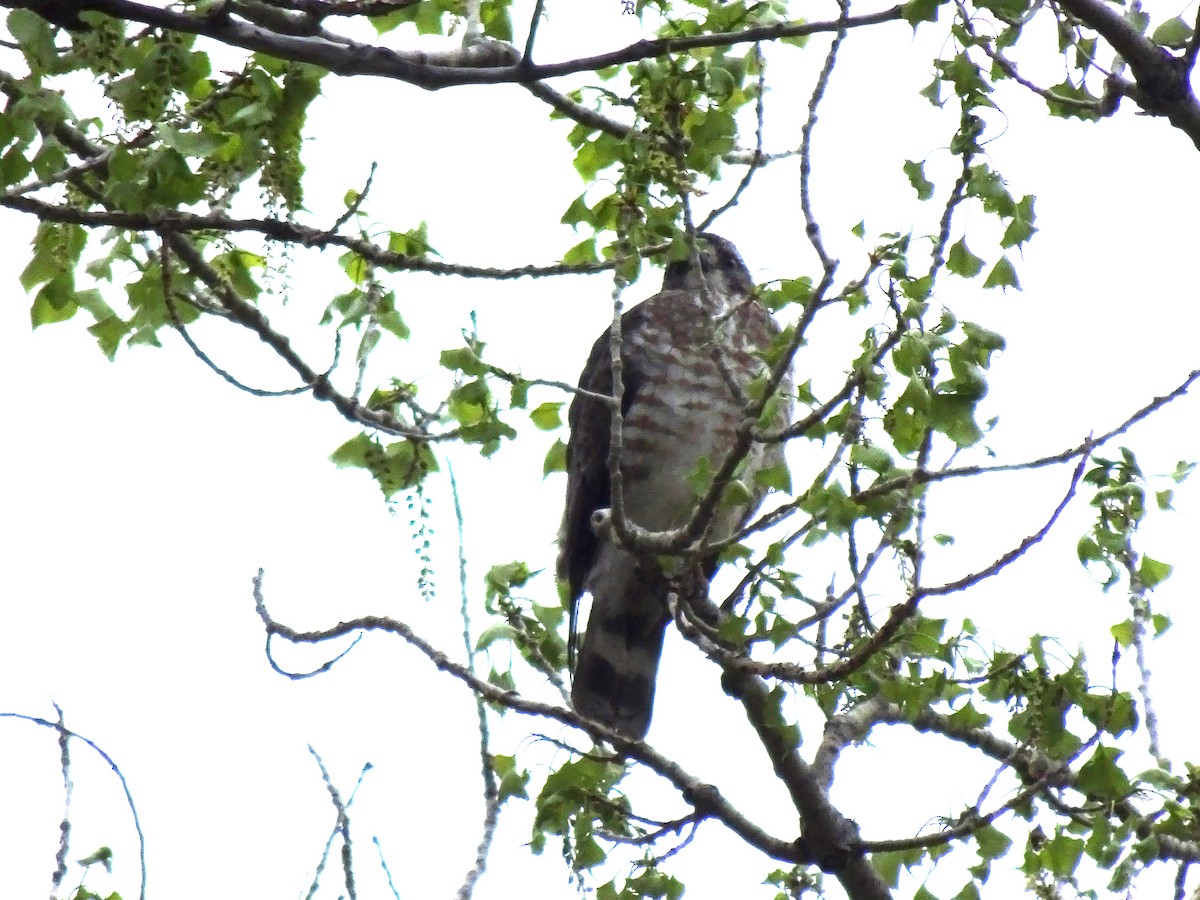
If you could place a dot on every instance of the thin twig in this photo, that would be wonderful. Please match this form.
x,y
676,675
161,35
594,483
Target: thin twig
x,y
491,791
64,828
386,870
812,229
59,728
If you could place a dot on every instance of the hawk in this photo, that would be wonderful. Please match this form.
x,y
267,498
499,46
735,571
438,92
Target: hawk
x,y
688,353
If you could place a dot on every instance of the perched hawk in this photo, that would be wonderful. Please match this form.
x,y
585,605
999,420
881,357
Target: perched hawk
x,y
681,350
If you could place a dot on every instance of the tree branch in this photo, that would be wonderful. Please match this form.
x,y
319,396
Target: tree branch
x,y
281,230
706,798
829,839
1163,86
486,62
1034,767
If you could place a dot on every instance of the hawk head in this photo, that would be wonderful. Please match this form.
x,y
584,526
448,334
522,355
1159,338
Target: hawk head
x,y
716,266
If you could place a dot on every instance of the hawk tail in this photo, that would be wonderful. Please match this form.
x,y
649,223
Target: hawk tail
x,y
618,664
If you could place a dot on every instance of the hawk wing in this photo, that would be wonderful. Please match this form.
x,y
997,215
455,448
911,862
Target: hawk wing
x,y
588,486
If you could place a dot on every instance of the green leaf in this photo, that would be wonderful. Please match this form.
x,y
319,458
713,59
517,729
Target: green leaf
x,y
1152,573
1173,34
496,21
962,261
1020,228
1101,778
916,177
200,143
109,332
546,416
235,266
993,843
582,253
888,862
917,11
737,493
413,243
1003,275
428,18
1062,854
873,457
56,249
353,453
501,631
1183,469
103,856
700,477
463,359
778,478
55,302
1069,91
511,781
1122,632
501,579
933,92
556,459
391,322
396,467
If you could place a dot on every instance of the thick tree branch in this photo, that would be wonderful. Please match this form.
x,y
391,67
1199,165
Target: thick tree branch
x,y
486,62
1163,86
829,840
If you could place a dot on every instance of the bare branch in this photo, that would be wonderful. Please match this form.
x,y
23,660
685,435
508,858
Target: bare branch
x,y
539,8
756,156
578,112
60,729
491,791
706,798
177,322
342,828
64,828
386,870
812,229
322,8
841,731
1014,554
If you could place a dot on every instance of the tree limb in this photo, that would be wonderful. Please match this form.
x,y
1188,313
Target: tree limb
x,y
1163,86
486,62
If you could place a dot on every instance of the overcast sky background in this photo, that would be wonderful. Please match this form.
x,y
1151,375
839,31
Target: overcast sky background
x,y
140,498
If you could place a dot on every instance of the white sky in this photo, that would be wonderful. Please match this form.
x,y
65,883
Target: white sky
x,y
139,498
